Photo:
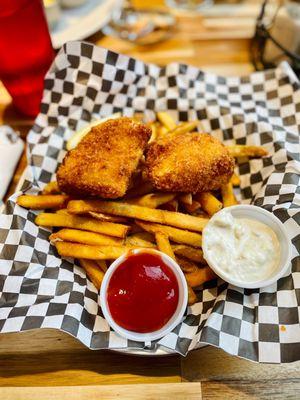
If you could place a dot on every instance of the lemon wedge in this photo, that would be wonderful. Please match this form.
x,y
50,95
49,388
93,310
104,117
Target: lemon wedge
x,y
79,135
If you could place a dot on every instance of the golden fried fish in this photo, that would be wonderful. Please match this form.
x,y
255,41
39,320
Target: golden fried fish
x,y
105,159
189,162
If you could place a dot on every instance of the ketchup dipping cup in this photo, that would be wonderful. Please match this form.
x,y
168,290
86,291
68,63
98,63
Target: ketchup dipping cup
x,y
134,303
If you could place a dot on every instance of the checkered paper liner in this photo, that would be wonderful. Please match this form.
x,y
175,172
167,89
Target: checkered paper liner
x,y
41,290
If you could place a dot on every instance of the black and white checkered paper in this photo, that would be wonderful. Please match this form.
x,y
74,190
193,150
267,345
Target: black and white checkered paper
x,y
40,290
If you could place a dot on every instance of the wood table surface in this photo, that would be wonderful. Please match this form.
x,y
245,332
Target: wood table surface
x,y
47,364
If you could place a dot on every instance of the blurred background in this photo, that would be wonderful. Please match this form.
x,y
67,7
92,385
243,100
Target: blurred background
x,y
226,37
273,25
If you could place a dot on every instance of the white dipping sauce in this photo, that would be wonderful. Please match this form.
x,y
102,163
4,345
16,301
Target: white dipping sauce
x,y
245,250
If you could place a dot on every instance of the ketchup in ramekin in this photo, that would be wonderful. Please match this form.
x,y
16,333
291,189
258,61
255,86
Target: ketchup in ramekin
x,y
143,295
143,292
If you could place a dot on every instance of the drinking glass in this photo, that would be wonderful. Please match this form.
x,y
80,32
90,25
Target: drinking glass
x,y
25,52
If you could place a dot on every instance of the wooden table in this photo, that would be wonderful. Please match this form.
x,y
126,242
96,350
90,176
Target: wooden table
x,y
48,364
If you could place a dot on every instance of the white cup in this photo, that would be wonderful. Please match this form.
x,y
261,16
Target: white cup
x,y
267,218
173,321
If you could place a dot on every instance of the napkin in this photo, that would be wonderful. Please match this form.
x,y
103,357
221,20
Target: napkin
x,y
39,289
11,148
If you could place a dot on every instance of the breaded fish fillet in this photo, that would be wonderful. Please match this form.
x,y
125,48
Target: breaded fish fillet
x,y
190,162
104,160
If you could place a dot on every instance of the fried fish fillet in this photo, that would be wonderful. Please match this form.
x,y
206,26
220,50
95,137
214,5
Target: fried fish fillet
x,y
190,162
103,162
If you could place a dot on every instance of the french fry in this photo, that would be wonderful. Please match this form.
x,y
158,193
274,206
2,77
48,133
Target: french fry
x,y
94,273
63,211
209,202
85,237
108,218
178,220
134,228
186,198
51,188
170,205
166,120
152,200
184,127
147,236
139,190
163,244
189,252
138,241
247,151
153,127
78,250
235,180
187,266
191,208
102,264
200,276
162,131
138,116
82,223
228,196
43,201
192,298
175,234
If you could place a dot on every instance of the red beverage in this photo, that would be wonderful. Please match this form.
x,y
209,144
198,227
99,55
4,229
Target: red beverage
x,y
143,293
26,52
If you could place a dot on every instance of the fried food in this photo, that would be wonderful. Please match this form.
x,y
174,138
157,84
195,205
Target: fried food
x,y
85,237
166,120
235,180
192,208
186,198
199,276
78,250
177,235
184,127
107,161
189,162
228,196
192,298
189,252
177,219
209,203
104,160
51,188
187,266
152,200
93,271
136,240
164,245
43,201
247,151
82,223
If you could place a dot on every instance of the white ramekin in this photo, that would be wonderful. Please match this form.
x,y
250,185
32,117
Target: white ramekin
x,y
174,320
266,217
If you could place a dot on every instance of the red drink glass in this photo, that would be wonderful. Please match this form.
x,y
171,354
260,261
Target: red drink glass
x,y
26,52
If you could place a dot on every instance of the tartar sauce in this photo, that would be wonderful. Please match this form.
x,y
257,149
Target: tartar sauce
x,y
243,249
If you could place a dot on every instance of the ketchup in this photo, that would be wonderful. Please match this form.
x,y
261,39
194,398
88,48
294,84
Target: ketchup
x,y
142,293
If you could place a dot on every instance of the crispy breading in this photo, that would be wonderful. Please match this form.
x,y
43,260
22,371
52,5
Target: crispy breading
x,y
190,162
105,159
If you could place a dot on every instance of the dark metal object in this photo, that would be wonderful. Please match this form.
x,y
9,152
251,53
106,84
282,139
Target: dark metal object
x,y
262,36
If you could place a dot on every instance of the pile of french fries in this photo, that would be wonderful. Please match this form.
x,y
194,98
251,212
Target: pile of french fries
x,y
96,231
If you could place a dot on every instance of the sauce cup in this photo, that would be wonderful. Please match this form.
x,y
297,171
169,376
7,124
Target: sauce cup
x,y
173,321
267,218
